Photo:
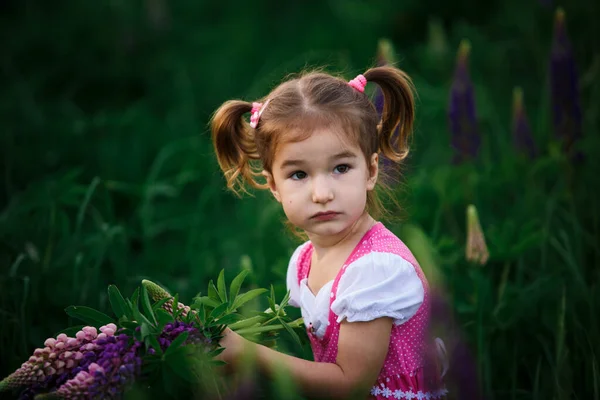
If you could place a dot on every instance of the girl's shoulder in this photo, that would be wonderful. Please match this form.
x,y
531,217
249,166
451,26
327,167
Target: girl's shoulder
x,y
380,241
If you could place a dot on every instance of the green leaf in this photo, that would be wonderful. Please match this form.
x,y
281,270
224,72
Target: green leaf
x,y
160,303
216,352
212,291
151,341
236,284
185,363
285,300
135,297
118,304
139,317
174,306
205,300
229,319
221,289
271,299
179,340
89,315
293,334
218,311
147,306
202,314
246,297
129,325
163,316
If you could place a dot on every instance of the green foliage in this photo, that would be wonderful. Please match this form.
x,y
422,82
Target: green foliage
x,y
108,175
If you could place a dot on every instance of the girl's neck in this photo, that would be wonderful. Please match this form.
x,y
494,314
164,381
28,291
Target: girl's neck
x,y
350,237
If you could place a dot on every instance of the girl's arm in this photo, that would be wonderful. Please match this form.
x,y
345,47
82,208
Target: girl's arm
x,y
362,348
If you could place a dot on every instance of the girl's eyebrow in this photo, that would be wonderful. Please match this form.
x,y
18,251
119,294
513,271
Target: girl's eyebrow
x,y
291,163
296,163
344,154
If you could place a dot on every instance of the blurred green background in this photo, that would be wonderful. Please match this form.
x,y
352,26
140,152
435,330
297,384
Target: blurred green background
x,y
108,174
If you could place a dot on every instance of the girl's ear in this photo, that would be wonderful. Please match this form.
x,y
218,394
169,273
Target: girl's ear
x,y
373,171
271,184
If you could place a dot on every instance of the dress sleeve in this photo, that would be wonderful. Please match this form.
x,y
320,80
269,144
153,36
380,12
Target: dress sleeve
x,y
292,277
378,285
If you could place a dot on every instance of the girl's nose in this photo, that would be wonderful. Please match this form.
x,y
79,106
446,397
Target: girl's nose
x,y
322,191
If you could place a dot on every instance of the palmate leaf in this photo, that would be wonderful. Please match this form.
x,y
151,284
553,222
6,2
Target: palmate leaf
x,y
179,340
89,315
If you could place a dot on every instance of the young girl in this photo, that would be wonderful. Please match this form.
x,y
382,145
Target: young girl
x,y
364,299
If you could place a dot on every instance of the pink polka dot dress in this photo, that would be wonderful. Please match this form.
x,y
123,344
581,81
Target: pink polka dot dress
x,y
380,278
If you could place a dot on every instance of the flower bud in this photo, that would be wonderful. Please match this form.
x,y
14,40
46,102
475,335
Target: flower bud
x,y
476,250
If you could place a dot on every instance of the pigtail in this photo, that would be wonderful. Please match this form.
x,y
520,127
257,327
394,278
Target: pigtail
x,y
398,110
233,139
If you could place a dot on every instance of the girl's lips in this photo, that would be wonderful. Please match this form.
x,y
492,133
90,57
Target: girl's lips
x,y
325,216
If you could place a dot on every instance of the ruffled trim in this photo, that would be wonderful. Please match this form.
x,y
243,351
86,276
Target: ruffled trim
x,y
370,315
386,392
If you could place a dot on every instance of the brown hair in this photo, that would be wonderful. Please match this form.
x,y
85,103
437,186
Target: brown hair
x,y
314,100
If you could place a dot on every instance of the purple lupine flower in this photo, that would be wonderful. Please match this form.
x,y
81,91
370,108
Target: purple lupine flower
x,y
521,130
385,56
566,109
172,330
117,364
462,116
61,360
51,364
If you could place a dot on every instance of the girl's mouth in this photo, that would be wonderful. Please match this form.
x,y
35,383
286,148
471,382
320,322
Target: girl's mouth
x,y
325,216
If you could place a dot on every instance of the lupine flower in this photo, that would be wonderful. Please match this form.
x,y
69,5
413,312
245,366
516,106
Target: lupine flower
x,y
157,293
59,356
172,330
462,116
116,365
385,56
566,109
521,130
476,250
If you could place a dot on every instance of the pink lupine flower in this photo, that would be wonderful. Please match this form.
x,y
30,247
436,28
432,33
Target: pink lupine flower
x,y
476,250
60,357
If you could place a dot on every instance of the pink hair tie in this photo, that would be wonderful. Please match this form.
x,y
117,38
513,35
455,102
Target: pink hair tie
x,y
257,110
359,83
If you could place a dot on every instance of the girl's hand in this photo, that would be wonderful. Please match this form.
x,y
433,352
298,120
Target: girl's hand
x,y
235,346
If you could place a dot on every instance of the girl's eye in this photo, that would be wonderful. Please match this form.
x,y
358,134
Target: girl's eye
x,y
342,169
298,175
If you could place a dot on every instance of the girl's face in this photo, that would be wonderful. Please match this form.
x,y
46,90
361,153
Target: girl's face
x,y
322,182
